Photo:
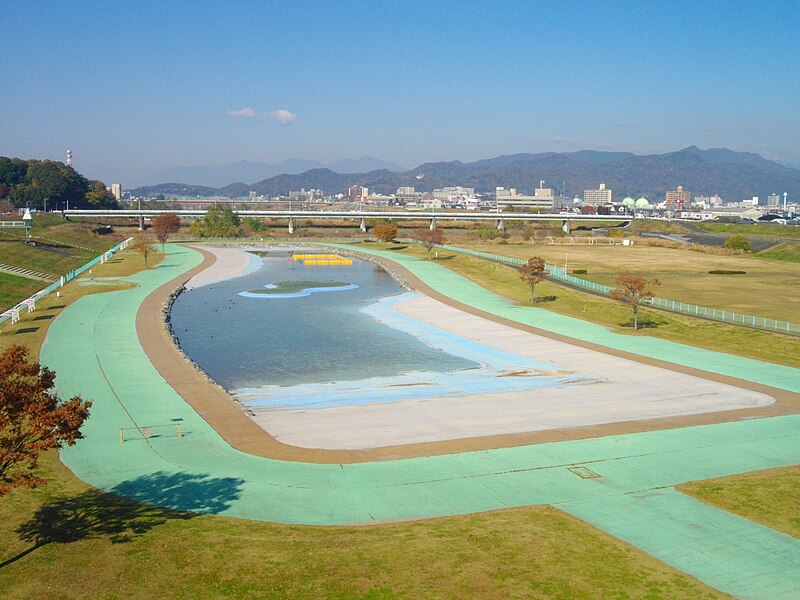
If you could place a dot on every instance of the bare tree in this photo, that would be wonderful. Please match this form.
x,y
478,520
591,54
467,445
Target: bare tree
x,y
532,273
32,418
429,238
164,225
144,247
632,291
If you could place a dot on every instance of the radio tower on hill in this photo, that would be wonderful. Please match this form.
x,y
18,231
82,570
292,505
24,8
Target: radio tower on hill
x,y
69,158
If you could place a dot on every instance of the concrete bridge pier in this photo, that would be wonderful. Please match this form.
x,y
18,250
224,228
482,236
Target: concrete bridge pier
x,y
363,226
291,225
141,222
565,226
501,224
433,224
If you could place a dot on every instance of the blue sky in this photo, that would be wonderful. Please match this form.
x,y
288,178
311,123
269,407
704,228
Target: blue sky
x,y
133,88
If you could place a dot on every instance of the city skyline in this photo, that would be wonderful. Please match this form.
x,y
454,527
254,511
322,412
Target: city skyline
x,y
132,93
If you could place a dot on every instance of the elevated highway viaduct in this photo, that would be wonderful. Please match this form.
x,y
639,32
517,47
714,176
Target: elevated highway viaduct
x,y
497,219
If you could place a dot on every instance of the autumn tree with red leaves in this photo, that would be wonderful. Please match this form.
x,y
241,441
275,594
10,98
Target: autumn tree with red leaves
x,y
32,418
164,225
428,238
633,291
533,272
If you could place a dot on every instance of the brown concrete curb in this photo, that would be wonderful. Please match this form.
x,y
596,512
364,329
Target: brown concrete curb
x,y
226,416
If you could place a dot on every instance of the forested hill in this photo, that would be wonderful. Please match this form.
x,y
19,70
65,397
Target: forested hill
x,y
732,175
34,182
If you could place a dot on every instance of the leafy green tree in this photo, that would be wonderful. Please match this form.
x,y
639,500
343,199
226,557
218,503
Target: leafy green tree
x,y
252,225
32,181
99,197
12,171
217,222
738,242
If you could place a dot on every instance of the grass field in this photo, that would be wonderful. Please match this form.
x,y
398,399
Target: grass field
x,y
13,289
31,329
771,497
503,280
51,253
68,540
786,252
780,231
765,290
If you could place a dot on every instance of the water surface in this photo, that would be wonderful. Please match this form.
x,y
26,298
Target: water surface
x,y
253,342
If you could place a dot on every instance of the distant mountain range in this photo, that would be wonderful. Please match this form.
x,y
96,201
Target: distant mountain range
x,y
732,175
249,172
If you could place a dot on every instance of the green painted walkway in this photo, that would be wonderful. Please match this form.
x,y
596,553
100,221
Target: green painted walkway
x,y
94,349
724,550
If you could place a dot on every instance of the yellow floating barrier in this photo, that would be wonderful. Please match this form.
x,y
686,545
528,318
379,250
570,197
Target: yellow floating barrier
x,y
322,259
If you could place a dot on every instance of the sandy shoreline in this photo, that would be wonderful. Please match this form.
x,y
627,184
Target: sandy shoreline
x,y
228,263
464,425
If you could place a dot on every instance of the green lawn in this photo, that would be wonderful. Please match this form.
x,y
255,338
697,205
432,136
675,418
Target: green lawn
x,y
786,252
771,497
503,280
755,230
13,289
51,254
68,540
684,274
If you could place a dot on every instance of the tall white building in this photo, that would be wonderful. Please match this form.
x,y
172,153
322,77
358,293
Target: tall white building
x,y
597,197
116,191
542,198
358,192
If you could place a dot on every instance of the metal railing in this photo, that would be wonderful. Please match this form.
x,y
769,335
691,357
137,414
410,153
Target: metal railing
x,y
692,310
29,304
239,241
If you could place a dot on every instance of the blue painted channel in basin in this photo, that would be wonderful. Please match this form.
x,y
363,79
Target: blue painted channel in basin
x,y
301,294
499,372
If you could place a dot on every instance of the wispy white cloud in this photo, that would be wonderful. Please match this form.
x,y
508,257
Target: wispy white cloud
x,y
246,112
280,116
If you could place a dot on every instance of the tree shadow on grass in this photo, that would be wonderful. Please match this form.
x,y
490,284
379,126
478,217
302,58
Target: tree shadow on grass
x,y
540,299
132,509
643,323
